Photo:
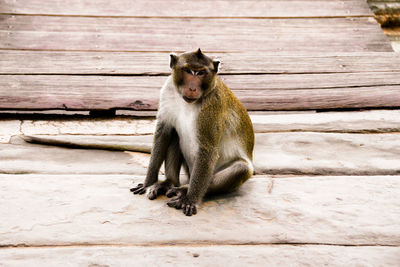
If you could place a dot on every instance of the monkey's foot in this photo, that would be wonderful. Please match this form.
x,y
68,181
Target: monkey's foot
x,y
177,191
182,202
139,189
158,189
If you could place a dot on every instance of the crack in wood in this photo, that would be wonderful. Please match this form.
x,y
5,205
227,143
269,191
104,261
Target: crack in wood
x,y
189,244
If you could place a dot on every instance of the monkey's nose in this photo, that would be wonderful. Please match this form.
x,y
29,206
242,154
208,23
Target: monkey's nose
x,y
192,89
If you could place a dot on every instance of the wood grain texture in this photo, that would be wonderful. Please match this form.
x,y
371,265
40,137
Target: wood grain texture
x,y
190,8
261,92
180,34
155,63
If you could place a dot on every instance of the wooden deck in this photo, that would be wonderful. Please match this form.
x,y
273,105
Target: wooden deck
x,y
277,55
327,185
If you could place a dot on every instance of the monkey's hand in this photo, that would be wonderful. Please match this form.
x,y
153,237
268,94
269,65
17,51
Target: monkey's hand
x,y
139,189
182,202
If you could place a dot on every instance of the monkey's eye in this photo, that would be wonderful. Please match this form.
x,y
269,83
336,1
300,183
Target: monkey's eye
x,y
187,70
202,72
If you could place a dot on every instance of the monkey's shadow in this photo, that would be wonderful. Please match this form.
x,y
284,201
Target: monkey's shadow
x,y
223,197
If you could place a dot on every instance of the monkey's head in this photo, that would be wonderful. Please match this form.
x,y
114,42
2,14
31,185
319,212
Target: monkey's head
x,y
193,74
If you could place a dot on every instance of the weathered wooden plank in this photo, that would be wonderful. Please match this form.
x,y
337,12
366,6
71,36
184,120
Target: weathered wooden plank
x,y
248,255
79,92
180,34
9,128
99,209
274,153
154,63
107,126
372,121
20,157
191,8
261,92
327,154
320,99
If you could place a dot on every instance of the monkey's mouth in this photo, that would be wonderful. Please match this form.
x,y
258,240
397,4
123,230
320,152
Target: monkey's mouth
x,y
189,100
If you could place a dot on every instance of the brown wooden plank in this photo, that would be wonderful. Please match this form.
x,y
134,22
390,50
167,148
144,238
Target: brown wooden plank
x,y
223,35
261,92
303,99
109,63
190,8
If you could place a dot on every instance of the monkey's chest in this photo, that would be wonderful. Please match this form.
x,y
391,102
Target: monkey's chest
x,y
186,127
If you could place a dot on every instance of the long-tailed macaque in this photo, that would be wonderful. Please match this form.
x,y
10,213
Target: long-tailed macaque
x,y
203,127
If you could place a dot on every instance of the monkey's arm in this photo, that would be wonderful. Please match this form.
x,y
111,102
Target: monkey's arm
x,y
162,137
203,169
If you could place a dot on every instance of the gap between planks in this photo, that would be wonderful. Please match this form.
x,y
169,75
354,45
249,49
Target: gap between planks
x,y
189,244
188,17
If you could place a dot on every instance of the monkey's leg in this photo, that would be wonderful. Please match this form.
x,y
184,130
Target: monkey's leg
x,y
173,163
230,177
200,177
178,190
159,150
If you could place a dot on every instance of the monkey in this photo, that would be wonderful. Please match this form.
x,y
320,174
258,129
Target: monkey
x,y
202,127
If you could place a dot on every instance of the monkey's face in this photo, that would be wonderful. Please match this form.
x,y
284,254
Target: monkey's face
x,y
193,74
191,89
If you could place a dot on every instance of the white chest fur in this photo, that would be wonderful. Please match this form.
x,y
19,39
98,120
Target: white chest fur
x,y
183,117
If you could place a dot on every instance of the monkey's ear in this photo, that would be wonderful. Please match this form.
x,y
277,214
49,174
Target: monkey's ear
x,y
173,60
216,65
199,54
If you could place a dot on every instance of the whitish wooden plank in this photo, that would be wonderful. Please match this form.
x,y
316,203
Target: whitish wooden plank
x,y
327,153
89,126
81,210
191,8
278,153
111,63
261,92
180,34
373,121
248,255
9,128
